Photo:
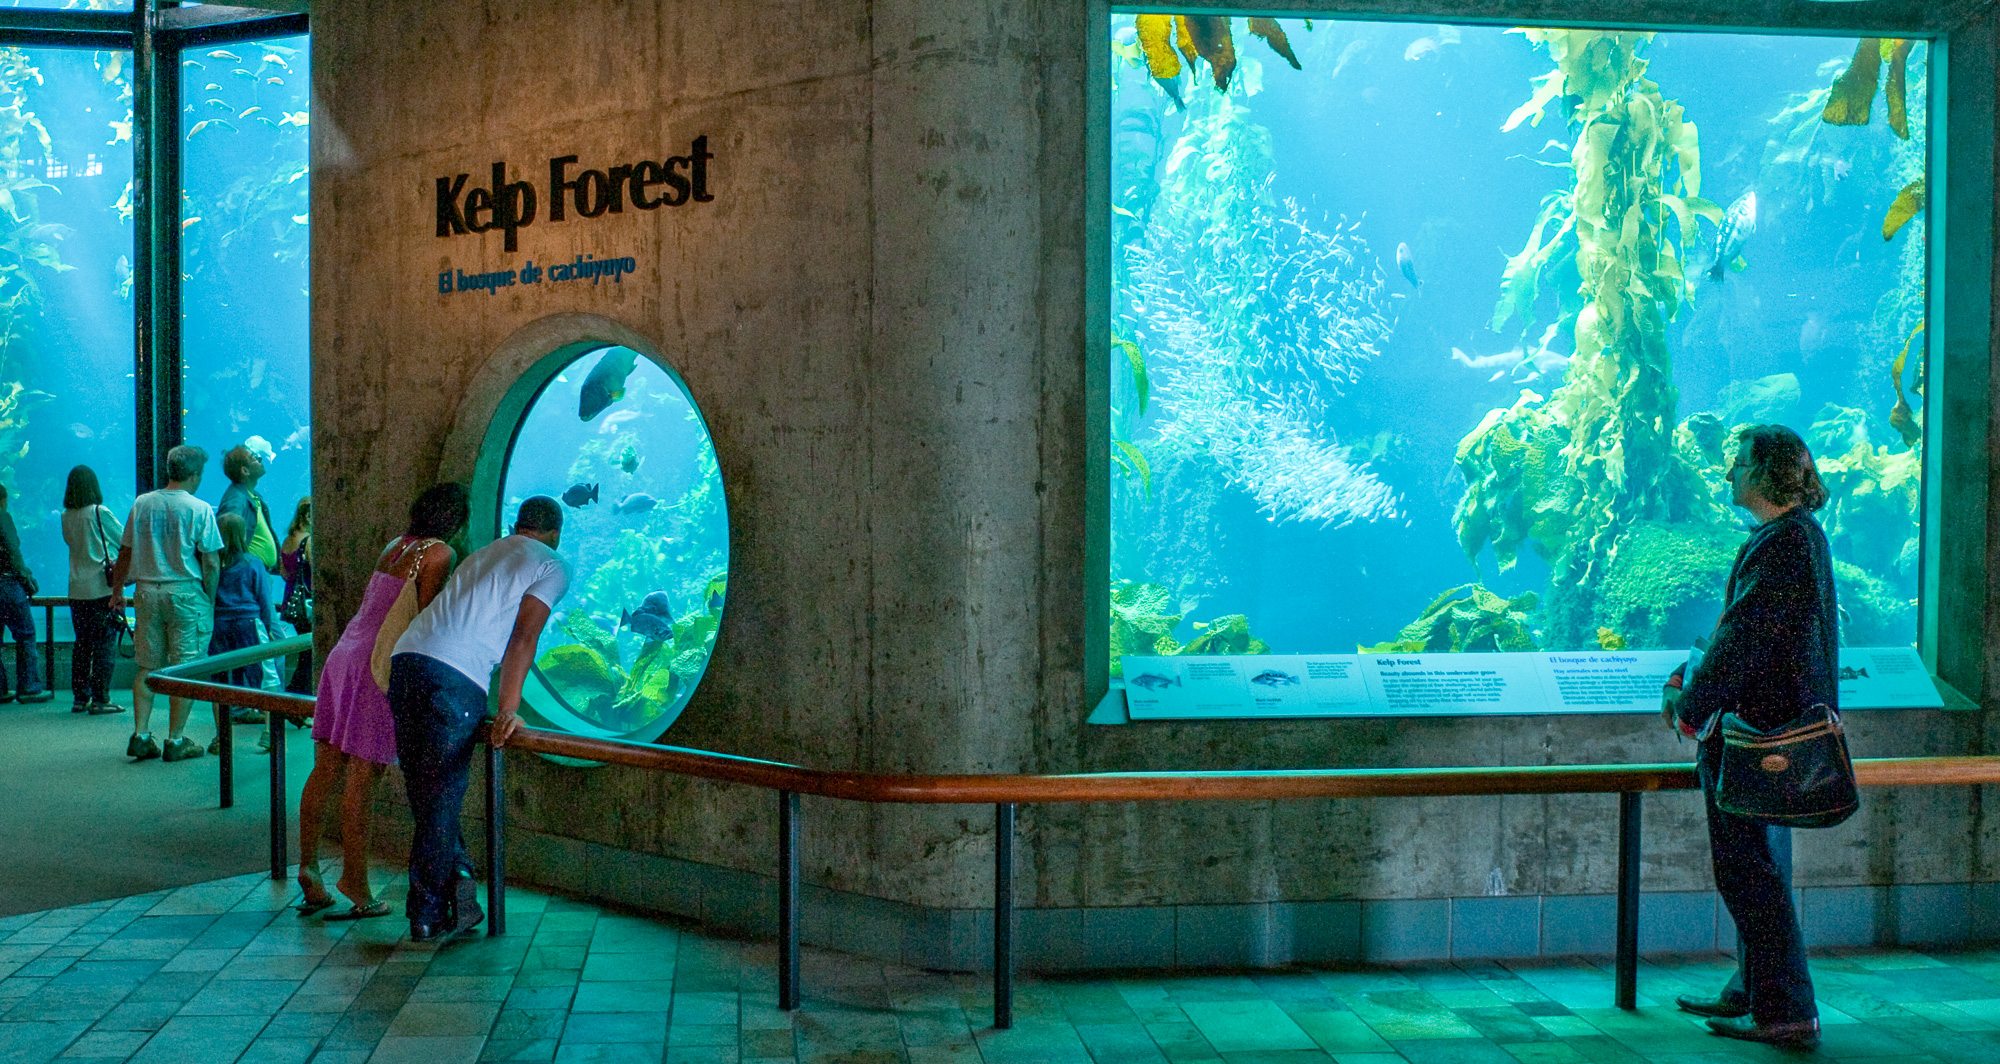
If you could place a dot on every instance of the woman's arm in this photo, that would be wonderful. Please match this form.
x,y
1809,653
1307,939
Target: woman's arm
x,y
434,571
1757,629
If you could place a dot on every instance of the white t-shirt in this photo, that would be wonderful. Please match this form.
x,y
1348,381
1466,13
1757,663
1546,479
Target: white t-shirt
x,y
165,530
93,535
467,625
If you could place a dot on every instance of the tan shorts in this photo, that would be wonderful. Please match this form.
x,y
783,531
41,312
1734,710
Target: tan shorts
x,y
174,622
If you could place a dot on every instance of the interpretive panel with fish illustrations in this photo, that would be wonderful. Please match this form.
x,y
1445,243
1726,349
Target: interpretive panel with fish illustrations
x,y
1390,685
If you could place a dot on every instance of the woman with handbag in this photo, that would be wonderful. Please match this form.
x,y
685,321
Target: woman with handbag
x,y
92,533
354,737
1773,661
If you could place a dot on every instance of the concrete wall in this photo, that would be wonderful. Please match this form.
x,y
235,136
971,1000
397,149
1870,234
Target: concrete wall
x,y
882,314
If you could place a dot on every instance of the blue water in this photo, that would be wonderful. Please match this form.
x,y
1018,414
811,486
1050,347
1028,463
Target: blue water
x,y
1391,134
646,518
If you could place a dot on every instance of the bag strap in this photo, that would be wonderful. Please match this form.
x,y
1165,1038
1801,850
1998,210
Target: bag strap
x,y
420,546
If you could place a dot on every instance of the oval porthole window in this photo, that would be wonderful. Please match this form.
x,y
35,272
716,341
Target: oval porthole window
x,y
616,437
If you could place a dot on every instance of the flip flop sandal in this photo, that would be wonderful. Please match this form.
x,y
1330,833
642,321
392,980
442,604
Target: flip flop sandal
x,y
307,908
360,912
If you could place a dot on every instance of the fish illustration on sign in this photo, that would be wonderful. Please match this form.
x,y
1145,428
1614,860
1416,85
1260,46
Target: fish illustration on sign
x,y
1274,679
606,383
1737,227
1153,681
653,620
580,495
636,503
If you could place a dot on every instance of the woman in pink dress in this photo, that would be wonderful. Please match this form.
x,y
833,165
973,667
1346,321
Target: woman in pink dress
x,y
353,735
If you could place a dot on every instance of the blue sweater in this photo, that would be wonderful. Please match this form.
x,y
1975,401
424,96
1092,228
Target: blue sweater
x,y
244,594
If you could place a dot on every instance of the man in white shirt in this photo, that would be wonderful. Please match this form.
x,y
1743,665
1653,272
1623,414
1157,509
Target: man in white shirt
x,y
489,614
171,549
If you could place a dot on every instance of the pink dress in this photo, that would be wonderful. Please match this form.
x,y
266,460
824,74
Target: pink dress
x,y
353,713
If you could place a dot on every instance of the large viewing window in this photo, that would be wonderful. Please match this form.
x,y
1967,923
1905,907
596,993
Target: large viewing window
x,y
1430,339
618,439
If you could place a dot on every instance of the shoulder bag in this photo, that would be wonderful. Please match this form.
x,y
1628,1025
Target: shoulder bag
x,y
110,562
297,609
1796,776
401,613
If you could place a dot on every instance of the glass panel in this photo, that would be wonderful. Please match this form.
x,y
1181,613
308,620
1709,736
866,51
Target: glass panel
x,y
65,290
1425,346
619,441
244,244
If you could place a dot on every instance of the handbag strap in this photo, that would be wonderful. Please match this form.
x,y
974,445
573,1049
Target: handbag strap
x,y
420,547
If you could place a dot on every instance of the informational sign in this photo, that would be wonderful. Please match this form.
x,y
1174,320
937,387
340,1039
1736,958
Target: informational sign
x,y
1392,685
1885,678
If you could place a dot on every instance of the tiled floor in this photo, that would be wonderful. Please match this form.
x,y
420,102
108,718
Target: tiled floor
x,y
219,973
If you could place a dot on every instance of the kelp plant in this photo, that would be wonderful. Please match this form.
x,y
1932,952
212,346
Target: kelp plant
x,y
1570,473
1142,627
26,244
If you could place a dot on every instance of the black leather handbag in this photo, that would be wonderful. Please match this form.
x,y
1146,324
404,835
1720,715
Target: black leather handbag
x,y
1797,776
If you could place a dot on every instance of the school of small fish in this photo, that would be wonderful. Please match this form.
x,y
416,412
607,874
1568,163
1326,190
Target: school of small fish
x,y
1258,403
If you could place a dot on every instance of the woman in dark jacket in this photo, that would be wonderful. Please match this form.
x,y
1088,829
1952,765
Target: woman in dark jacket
x,y
1773,656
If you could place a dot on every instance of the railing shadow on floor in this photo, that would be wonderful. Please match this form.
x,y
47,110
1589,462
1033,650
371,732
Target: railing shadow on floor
x,y
1006,792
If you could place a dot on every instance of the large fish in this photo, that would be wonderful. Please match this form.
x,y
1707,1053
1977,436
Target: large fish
x,y
653,619
580,495
1737,227
606,383
636,503
1408,265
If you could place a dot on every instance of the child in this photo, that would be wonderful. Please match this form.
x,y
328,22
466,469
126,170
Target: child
x,y
242,596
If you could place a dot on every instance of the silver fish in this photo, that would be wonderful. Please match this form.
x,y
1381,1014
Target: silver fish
x,y
1737,227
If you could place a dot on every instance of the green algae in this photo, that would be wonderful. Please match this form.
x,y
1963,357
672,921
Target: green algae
x,y
1466,618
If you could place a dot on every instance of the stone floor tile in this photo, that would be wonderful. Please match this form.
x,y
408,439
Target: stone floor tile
x,y
453,1019
654,995
717,1054
201,1040
590,1027
462,988
243,997
610,1052
36,1041
428,1050
138,1016
113,1044
1340,1033
511,1050
269,1050
200,960
627,967
1246,1026
548,997
246,965
769,1044
705,1008
313,1025
692,1034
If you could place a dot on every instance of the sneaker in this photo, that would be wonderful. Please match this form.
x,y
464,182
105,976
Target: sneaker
x,y
245,716
99,709
263,742
215,747
79,707
142,747
181,749
43,695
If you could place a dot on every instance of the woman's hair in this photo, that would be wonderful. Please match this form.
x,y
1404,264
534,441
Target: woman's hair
x,y
440,511
1780,466
302,517
235,538
82,489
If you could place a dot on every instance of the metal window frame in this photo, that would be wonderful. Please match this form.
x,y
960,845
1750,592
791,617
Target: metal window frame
x,y
1965,58
155,32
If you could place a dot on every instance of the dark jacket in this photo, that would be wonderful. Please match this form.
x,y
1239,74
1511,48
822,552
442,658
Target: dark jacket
x,y
1775,653
11,562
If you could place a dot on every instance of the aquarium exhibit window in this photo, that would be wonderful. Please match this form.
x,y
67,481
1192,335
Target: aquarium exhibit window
x,y
244,238
617,437
1431,340
90,265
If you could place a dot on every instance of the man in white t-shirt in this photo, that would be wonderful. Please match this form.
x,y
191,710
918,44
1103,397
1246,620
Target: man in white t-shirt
x,y
171,549
489,614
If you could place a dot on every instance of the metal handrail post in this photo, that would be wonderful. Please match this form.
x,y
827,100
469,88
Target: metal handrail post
x,y
225,756
280,846
1003,915
49,647
788,900
496,846
1627,985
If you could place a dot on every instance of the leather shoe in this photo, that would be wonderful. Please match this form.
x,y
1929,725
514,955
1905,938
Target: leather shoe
x,y
1712,1006
1801,1035
43,695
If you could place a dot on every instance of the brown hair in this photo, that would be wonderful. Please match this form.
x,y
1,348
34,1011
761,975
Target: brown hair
x,y
82,489
235,538
1780,466
302,517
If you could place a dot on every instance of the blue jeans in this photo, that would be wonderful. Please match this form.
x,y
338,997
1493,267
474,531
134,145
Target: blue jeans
x,y
437,709
16,616
1753,873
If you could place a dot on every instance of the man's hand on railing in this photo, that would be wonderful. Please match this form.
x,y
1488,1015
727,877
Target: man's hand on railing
x,y
505,723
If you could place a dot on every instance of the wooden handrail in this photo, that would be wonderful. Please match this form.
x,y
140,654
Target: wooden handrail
x,y
994,788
